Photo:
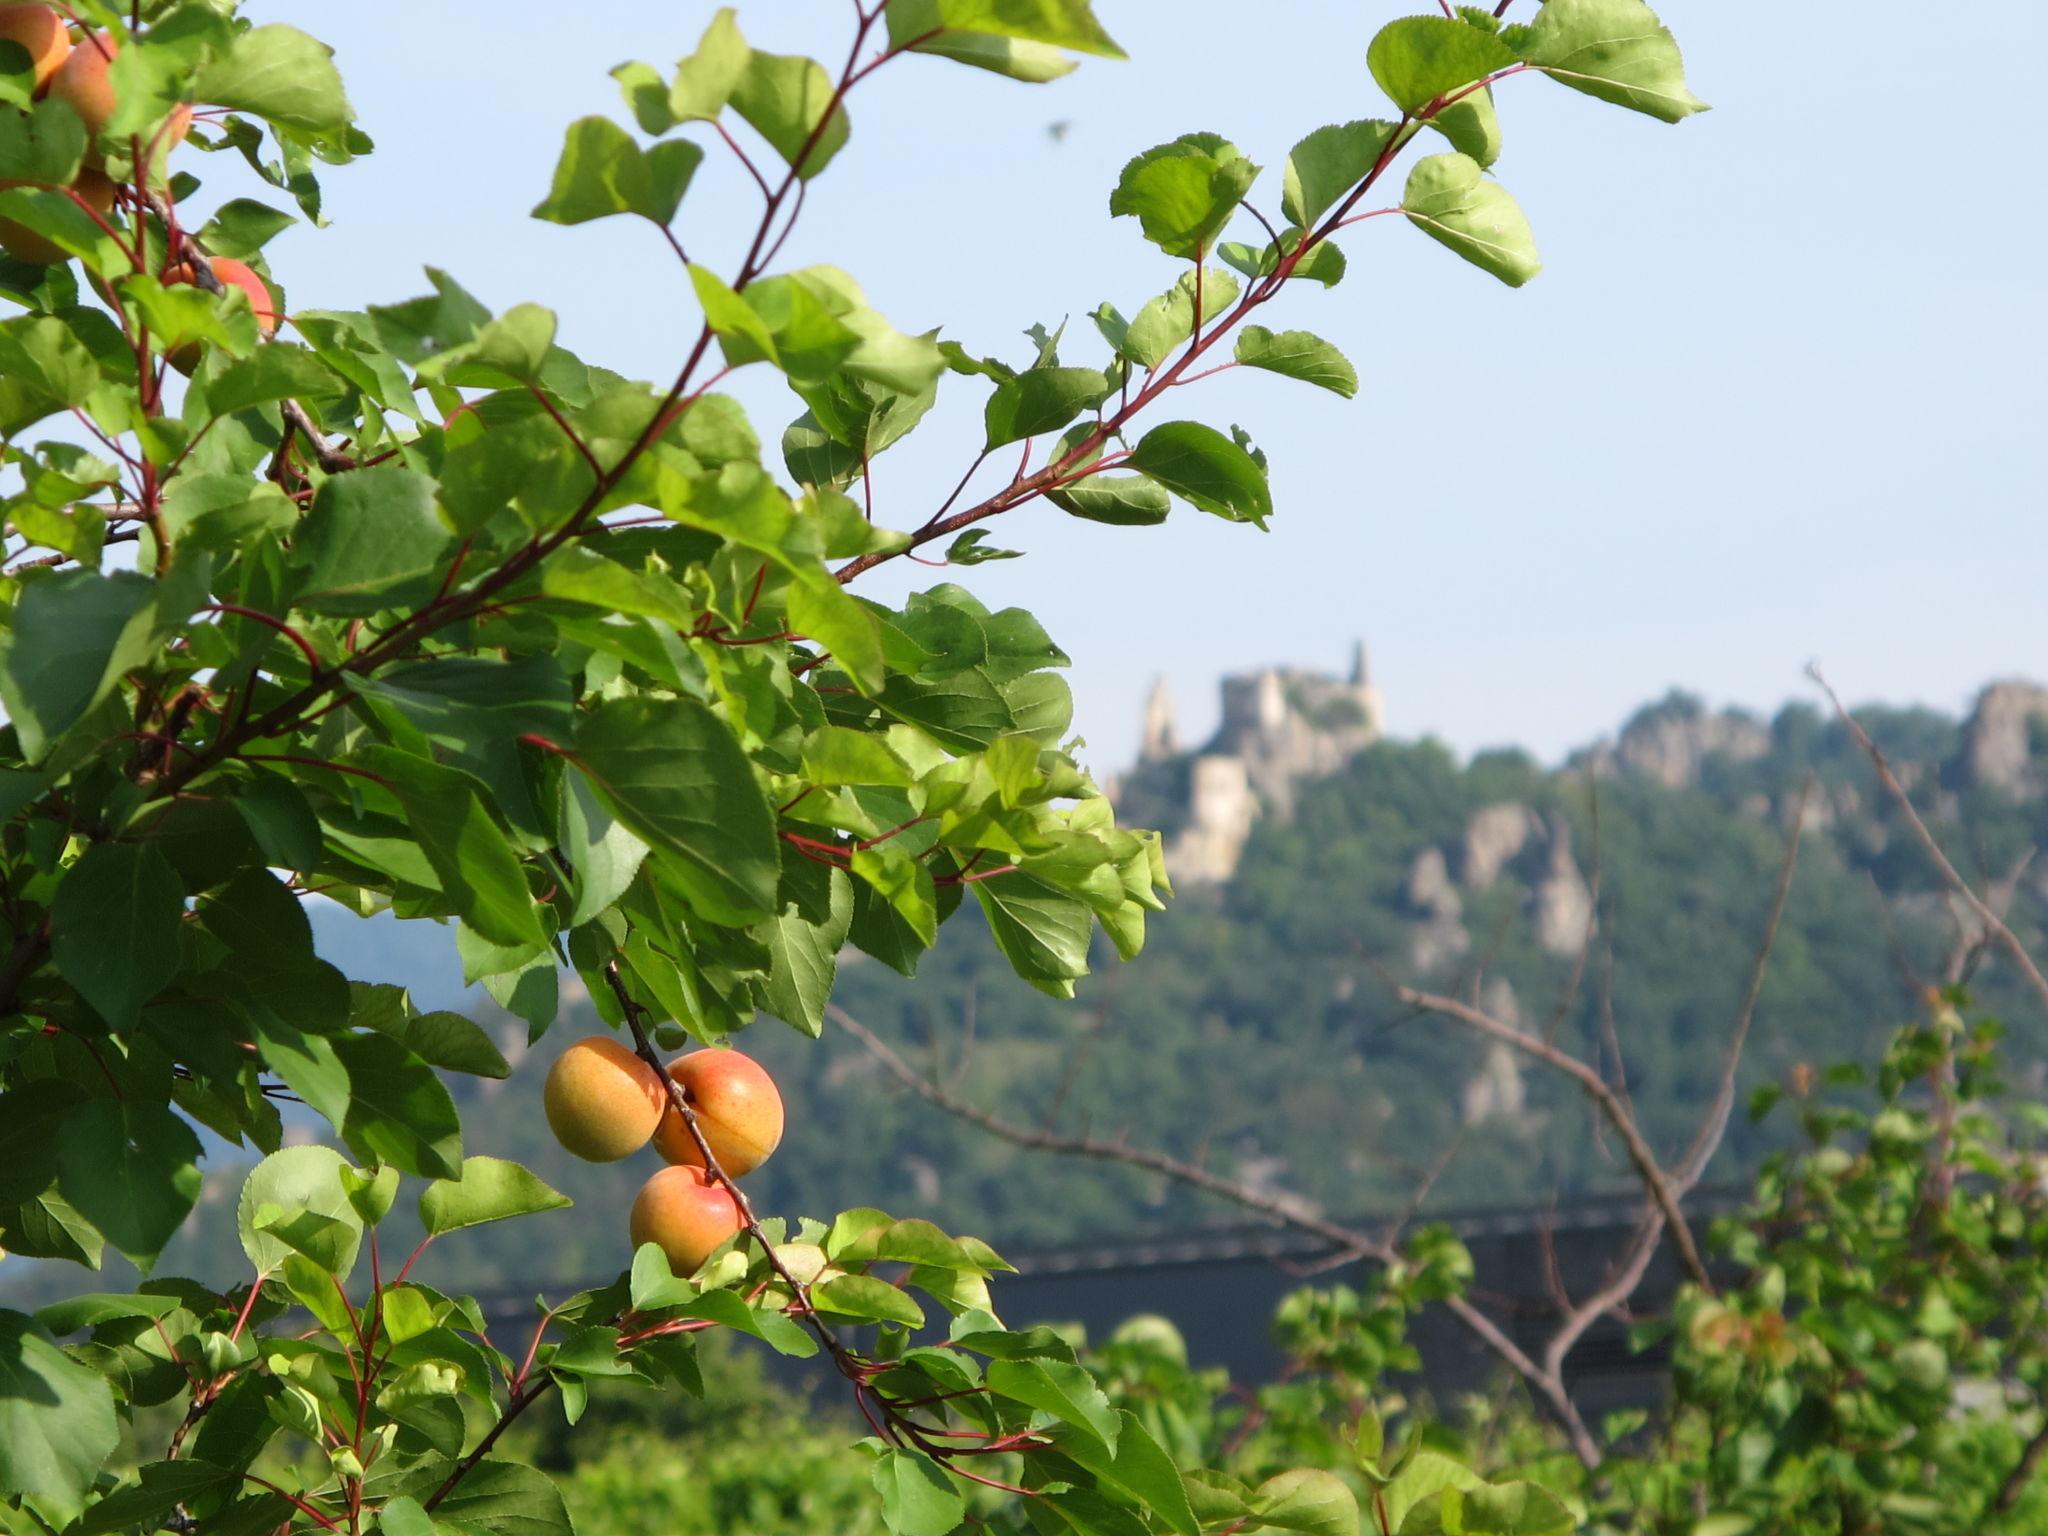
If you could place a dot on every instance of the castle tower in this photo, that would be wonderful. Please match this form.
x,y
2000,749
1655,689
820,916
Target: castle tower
x,y
1370,701
1159,740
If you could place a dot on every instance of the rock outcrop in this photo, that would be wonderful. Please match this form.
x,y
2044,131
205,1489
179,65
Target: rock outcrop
x,y
1494,837
1439,936
1563,900
2005,740
1671,741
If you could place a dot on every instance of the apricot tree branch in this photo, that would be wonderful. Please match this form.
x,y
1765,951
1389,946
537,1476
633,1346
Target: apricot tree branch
x,y
1994,925
1549,1385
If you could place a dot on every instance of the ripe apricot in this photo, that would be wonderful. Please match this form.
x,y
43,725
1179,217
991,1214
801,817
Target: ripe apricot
x,y
737,1106
24,244
85,82
39,31
236,274
602,1101
685,1214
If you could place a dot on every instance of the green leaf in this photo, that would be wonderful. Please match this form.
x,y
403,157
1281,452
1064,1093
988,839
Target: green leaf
x,y
1472,126
868,1300
1422,1478
652,1285
160,1487
279,371
1043,400
42,353
291,1182
129,1169
452,1043
1498,1509
1067,1392
57,1421
1420,58
372,540
370,1194
1616,50
45,145
500,1498
71,638
1167,321
76,1313
969,549
488,1189
114,928
1451,200
705,80
1032,63
918,1498
603,853
1307,1499
804,958
1323,263
279,73
241,227
602,171
785,98
672,772
1299,355
477,867
1141,1469
1329,163
1185,192
1205,469
837,754
1123,501
1050,23
398,1110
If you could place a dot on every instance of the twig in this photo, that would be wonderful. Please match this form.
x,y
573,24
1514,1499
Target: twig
x,y
1595,1088
1345,1239
1993,923
330,458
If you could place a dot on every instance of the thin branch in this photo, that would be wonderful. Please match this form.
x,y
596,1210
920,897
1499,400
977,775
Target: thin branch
x,y
1993,924
1715,1125
1595,1087
330,458
1345,1239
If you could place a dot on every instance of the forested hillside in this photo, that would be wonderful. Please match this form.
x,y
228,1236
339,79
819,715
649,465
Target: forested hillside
x,y
1258,1029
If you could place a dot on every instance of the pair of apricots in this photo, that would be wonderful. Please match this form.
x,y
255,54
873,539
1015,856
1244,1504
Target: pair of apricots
x,y
604,1103
79,74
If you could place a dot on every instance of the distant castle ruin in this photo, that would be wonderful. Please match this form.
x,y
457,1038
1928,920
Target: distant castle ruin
x,y
1280,725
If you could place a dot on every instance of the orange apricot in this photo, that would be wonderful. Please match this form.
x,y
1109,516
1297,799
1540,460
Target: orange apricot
x,y
685,1214
738,1110
39,32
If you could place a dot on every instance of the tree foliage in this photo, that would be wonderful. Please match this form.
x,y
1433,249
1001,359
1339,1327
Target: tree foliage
x,y
427,614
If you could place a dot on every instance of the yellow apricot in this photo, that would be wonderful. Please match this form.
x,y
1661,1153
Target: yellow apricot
x,y
602,1101
685,1214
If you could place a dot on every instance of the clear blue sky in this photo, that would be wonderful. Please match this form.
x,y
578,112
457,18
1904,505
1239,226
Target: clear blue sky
x,y
1771,400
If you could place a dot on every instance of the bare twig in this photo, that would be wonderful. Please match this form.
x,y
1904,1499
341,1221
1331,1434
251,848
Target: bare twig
x,y
330,458
1346,1240
1595,1087
1995,925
